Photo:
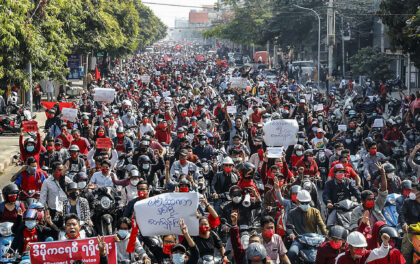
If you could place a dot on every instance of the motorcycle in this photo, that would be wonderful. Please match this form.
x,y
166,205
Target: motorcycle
x,y
344,209
30,197
310,242
105,206
322,161
390,212
8,125
6,240
415,229
12,106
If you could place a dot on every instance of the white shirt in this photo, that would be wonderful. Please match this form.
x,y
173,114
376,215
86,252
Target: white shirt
x,y
102,180
145,128
128,193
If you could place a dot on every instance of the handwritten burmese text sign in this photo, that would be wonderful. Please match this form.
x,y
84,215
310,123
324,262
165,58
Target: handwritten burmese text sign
x,y
159,215
145,78
238,82
104,95
30,126
69,114
103,143
68,251
281,132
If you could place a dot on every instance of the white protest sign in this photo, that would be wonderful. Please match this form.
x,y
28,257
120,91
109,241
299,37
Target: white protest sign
x,y
231,109
258,100
238,82
159,215
378,122
157,99
209,80
370,98
69,114
166,94
342,128
175,62
319,107
280,132
104,95
308,97
145,78
276,152
261,84
177,72
158,73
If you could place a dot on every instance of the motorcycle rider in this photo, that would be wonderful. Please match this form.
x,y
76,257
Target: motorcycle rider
x,y
64,153
143,192
184,166
102,178
407,187
32,178
30,148
65,136
357,253
337,189
393,181
330,249
179,252
222,181
75,163
204,150
77,204
51,155
370,170
123,144
306,219
81,142
129,192
10,206
72,228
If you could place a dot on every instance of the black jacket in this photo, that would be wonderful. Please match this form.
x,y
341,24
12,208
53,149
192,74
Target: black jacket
x,y
410,212
221,182
332,188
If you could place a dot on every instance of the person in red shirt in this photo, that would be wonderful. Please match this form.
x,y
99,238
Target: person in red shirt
x,y
335,245
247,178
31,178
309,164
256,116
65,136
350,173
81,142
163,132
30,148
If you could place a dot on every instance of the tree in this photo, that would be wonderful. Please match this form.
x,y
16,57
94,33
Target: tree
x,y
402,26
372,62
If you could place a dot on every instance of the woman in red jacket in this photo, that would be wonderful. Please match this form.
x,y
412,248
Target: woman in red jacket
x,y
30,148
335,245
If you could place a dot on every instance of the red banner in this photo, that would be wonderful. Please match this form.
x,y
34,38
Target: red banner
x,y
103,143
50,105
68,251
30,126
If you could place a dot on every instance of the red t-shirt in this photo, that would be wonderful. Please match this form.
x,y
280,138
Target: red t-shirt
x,y
163,136
83,145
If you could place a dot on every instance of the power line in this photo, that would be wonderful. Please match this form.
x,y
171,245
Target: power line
x,y
176,5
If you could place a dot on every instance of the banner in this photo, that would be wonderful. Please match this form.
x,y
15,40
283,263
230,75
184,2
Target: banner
x,y
104,95
281,132
238,82
69,251
159,215
69,114
231,109
378,122
50,105
103,143
30,126
275,152
145,78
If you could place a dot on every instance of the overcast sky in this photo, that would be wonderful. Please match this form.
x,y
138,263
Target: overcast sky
x,y
168,13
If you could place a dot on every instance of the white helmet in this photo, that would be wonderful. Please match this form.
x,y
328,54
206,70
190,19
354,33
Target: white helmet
x,y
228,160
304,196
356,239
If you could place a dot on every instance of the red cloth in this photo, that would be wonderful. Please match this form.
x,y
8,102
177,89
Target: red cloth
x,y
350,173
31,182
295,159
120,145
66,139
29,236
311,170
326,254
347,259
394,257
214,222
246,184
50,105
83,145
131,246
97,74
163,135
372,240
256,117
11,216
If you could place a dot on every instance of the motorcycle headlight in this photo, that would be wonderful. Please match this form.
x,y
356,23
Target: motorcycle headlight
x,y
6,229
105,202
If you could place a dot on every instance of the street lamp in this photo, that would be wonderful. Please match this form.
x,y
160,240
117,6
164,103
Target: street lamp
x,y
319,37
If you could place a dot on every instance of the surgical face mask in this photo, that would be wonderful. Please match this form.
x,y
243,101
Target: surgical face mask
x,y
81,185
412,196
122,233
145,166
301,140
30,224
202,142
134,182
339,152
178,258
30,148
299,153
31,170
129,114
304,207
314,129
390,175
237,199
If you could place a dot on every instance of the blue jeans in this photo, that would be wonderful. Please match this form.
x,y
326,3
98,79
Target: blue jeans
x,y
294,251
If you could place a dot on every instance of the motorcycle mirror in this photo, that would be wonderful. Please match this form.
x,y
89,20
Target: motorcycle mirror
x,y
290,226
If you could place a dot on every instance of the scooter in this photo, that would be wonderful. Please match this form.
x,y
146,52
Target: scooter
x,y
390,212
6,240
415,229
30,197
105,207
310,242
8,125
344,209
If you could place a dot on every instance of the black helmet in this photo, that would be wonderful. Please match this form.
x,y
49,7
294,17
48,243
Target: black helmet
x,y
392,232
416,160
256,252
368,141
338,232
184,182
406,185
10,189
388,167
144,159
144,144
72,186
247,167
80,176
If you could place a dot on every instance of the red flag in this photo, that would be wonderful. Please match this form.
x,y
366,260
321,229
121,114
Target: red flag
x,y
97,74
133,237
218,44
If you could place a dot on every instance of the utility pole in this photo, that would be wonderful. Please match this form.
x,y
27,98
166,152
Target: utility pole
x,y
331,34
29,68
342,46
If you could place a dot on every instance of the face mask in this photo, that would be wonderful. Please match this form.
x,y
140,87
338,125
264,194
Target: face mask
x,y
106,124
293,197
184,114
228,169
392,243
269,233
58,147
144,121
81,185
339,176
319,135
184,189
202,142
142,194
12,197
372,151
301,140
183,160
101,134
178,258
299,153
390,175
320,118
339,152
204,229
122,233
359,252
30,148
30,224
74,156
120,135
369,204
180,135
193,123
134,182
105,171
304,207
167,248
145,166
73,195
237,199
31,170
129,114
335,244
406,193
50,148
412,196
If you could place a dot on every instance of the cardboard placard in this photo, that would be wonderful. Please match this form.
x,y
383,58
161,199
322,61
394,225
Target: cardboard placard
x,y
103,143
145,78
319,107
209,80
69,114
104,95
30,126
261,84
281,132
378,122
342,128
275,152
231,109
238,82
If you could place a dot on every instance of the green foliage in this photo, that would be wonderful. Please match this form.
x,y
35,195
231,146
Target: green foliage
x,y
44,32
402,28
372,62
